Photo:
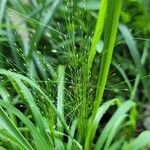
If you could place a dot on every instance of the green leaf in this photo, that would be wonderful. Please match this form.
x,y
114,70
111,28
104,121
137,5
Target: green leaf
x,y
2,9
5,136
98,31
39,141
73,129
131,44
94,124
121,111
40,28
114,130
34,85
60,95
8,125
139,62
111,24
124,75
141,142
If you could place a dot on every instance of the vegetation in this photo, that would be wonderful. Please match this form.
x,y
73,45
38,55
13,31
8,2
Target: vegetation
x,y
74,74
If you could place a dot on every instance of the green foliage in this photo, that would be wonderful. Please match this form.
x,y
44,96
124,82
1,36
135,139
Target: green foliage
x,y
69,80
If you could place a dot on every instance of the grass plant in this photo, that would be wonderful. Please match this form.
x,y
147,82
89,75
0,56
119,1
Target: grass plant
x,y
56,85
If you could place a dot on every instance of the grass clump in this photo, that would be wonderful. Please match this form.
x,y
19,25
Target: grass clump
x,y
57,88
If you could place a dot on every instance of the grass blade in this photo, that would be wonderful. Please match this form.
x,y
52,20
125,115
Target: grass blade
x,y
122,72
94,124
143,140
38,139
2,9
111,24
114,130
34,85
40,28
131,44
139,62
123,109
60,95
98,31
73,129
20,26
7,124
